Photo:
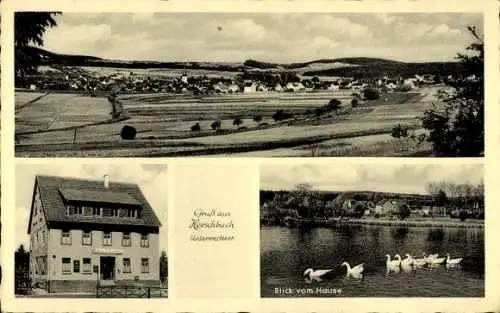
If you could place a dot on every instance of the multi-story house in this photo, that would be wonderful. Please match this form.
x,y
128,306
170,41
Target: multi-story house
x,y
89,232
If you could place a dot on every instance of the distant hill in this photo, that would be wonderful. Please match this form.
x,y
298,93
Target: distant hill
x,y
358,67
268,195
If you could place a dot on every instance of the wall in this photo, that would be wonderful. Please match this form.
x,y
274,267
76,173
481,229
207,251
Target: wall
x,y
38,237
79,251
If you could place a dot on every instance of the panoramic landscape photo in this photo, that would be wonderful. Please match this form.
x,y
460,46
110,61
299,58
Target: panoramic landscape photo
x,y
372,231
259,84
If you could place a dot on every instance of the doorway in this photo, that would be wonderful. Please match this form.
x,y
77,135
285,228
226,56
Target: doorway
x,y
107,268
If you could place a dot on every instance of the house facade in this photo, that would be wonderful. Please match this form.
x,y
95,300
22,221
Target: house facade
x,y
85,232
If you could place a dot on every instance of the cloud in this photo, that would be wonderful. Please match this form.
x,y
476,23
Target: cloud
x,y
383,178
283,37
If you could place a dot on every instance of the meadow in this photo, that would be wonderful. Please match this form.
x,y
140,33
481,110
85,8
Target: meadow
x,y
61,124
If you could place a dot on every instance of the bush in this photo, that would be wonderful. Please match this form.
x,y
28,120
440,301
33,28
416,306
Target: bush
x,y
257,118
237,121
354,103
399,131
281,115
216,125
404,88
128,132
377,215
196,127
403,212
463,215
480,215
318,111
371,94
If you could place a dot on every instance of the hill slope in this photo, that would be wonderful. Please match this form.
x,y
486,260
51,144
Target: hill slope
x,y
360,67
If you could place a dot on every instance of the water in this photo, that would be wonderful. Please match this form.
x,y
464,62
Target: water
x,y
286,253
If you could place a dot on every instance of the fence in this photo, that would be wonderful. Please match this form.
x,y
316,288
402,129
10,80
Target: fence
x,y
130,292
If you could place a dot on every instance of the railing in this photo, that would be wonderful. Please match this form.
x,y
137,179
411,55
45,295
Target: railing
x,y
130,292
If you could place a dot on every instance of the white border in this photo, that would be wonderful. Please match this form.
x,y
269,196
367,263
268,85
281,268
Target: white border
x,y
253,303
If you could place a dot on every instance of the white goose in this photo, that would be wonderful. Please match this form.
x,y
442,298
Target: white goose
x,y
430,257
420,261
315,273
452,261
355,271
392,263
437,260
408,261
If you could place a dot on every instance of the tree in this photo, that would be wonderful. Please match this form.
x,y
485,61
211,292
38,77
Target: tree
x,y
440,199
216,125
196,127
403,211
257,118
333,105
163,267
456,127
237,121
371,94
29,28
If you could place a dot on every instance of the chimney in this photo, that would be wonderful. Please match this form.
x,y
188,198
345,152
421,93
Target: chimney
x,y
106,182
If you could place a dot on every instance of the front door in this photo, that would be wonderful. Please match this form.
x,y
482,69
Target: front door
x,y
107,267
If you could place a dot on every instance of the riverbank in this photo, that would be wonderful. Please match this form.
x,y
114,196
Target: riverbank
x,y
429,222
412,222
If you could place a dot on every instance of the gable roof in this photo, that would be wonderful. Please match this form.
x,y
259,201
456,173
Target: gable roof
x,y
98,196
55,190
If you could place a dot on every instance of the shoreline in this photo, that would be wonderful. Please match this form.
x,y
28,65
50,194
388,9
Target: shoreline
x,y
387,222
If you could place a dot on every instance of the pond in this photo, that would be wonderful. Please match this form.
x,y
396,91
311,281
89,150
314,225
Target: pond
x,y
287,252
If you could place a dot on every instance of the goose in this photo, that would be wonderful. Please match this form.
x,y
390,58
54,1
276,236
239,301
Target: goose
x,y
430,257
437,260
392,263
355,271
315,273
420,262
408,261
397,256
452,261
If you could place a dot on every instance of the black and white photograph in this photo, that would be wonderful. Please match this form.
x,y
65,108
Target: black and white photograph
x,y
257,84
91,231
372,230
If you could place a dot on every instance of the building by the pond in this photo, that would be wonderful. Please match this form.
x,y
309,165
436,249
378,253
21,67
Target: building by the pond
x,y
89,232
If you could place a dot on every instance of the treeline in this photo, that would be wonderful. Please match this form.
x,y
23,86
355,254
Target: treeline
x,y
449,194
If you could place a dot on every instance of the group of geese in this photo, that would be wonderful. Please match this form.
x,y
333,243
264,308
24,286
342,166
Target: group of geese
x,y
396,264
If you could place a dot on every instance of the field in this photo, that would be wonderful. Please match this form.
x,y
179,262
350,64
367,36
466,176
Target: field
x,y
58,124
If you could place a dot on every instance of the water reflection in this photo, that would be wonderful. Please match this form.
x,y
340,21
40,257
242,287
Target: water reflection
x,y
286,253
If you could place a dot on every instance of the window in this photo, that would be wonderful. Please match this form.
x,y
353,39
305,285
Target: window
x,y
123,212
126,265
87,266
76,266
132,213
144,265
65,237
106,239
115,212
96,211
87,210
144,240
86,238
126,242
66,265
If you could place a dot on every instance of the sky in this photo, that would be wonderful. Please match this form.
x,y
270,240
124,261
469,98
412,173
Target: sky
x,y
380,177
152,179
272,37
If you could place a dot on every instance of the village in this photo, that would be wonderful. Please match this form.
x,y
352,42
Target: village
x,y
306,207
79,79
